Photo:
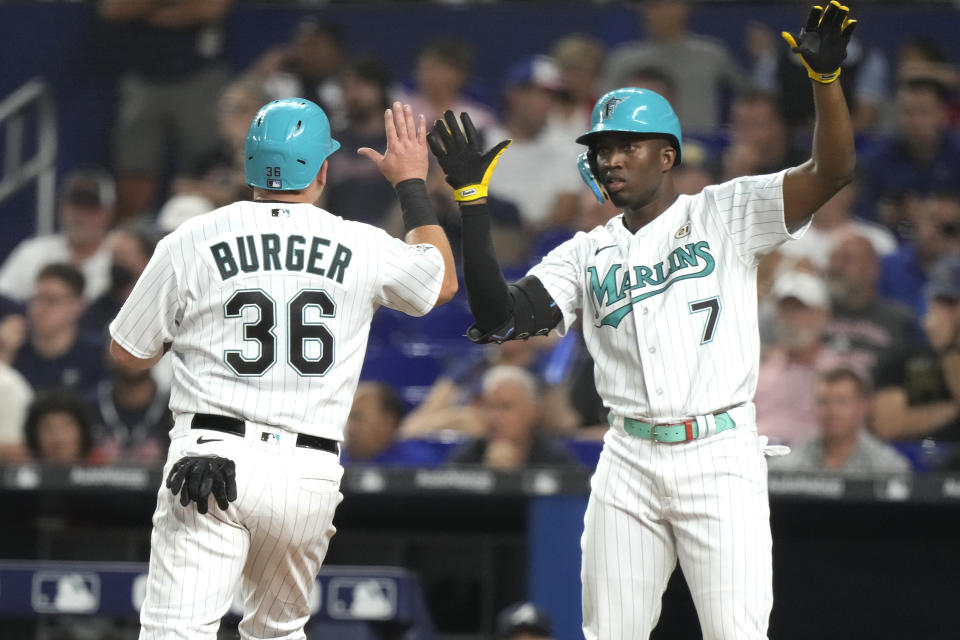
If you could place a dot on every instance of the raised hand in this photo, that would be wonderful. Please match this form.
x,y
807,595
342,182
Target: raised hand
x,y
406,154
467,167
822,43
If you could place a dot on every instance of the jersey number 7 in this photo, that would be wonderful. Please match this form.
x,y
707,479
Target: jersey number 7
x,y
712,307
300,332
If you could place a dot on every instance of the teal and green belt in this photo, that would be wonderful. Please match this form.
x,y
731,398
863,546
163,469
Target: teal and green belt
x,y
672,433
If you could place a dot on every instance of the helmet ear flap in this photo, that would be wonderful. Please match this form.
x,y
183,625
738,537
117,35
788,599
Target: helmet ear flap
x,y
587,165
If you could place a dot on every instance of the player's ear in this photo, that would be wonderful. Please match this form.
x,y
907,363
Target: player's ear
x,y
668,156
321,178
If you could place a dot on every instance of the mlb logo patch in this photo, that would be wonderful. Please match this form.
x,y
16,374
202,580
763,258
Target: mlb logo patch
x,y
273,183
271,438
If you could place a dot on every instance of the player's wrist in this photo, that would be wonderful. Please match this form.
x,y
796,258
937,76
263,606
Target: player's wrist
x,y
473,208
470,193
415,204
823,78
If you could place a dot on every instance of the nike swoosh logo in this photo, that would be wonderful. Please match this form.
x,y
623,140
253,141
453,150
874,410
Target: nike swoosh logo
x,y
609,246
202,440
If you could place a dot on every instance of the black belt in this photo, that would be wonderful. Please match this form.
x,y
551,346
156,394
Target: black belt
x,y
238,427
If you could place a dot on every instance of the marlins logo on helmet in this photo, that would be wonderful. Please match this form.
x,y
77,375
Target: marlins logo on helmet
x,y
609,106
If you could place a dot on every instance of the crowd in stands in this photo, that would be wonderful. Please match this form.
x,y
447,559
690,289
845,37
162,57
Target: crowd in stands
x,y
859,321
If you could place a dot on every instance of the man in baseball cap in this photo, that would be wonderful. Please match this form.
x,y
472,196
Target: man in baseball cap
x,y
548,196
524,621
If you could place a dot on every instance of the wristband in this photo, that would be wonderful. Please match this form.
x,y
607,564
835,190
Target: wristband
x,y
470,192
823,78
415,204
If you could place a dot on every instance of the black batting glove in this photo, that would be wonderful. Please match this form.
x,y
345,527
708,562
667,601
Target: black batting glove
x,y
822,43
196,477
467,167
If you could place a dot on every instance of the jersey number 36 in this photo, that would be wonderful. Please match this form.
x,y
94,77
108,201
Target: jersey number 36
x,y
300,333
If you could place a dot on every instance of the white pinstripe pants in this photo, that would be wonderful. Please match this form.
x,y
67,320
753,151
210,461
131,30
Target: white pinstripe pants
x,y
271,540
703,502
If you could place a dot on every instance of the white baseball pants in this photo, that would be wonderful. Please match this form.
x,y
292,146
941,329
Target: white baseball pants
x,y
271,540
703,502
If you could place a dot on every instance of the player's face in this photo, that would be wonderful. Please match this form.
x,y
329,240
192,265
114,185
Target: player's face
x,y
631,167
841,410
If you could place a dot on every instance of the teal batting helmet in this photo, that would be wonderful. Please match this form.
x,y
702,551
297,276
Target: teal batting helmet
x,y
287,143
629,110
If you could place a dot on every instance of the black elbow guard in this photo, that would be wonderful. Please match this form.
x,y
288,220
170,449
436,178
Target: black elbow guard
x,y
533,313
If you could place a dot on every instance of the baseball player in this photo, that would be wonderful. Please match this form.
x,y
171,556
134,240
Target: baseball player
x,y
668,299
265,307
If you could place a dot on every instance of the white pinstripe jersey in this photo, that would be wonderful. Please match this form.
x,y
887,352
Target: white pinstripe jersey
x,y
268,307
670,313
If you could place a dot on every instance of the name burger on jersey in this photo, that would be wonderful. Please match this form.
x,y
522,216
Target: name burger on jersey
x,y
272,252
609,294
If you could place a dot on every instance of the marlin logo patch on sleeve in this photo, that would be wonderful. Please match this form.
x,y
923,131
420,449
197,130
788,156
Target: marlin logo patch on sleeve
x,y
609,294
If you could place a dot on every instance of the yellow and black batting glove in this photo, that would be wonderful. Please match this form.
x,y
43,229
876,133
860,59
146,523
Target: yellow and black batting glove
x,y
467,168
822,43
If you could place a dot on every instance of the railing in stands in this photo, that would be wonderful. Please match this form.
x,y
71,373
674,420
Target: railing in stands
x,y
32,100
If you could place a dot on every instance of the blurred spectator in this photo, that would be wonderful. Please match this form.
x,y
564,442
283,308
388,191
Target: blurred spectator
x,y
58,428
355,188
218,176
654,79
373,428
843,443
452,402
373,422
86,212
579,58
131,417
537,172
442,71
524,621
920,57
921,157
13,331
935,233
918,394
864,327
15,396
55,351
701,68
865,79
172,53
181,207
306,67
511,406
833,222
130,251
785,413
699,169
759,140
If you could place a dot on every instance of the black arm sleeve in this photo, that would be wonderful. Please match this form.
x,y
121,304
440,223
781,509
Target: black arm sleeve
x,y
501,312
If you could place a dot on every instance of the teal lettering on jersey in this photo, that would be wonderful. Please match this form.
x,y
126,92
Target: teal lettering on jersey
x,y
608,288
276,253
689,261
